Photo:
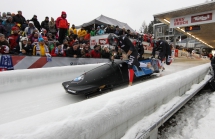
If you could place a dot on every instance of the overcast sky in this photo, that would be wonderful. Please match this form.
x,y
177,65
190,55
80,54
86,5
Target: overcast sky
x,y
133,12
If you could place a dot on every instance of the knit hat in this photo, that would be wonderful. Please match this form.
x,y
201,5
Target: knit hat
x,y
14,28
8,14
75,43
40,39
31,22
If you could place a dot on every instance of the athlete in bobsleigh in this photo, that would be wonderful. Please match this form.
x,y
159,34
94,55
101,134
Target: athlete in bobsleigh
x,y
126,45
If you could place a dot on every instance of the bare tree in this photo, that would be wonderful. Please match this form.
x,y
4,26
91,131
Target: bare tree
x,y
143,27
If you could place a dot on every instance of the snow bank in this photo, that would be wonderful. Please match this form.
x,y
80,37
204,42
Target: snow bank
x,y
27,78
102,118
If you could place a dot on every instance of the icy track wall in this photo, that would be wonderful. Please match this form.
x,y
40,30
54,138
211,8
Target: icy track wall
x,y
108,116
27,78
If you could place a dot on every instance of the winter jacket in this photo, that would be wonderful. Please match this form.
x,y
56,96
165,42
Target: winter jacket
x,y
61,22
71,52
92,33
81,33
52,26
13,40
87,37
73,30
45,25
100,32
95,54
8,26
40,50
3,30
28,31
19,19
36,23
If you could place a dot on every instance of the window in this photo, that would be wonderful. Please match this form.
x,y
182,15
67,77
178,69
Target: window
x,y
170,29
160,29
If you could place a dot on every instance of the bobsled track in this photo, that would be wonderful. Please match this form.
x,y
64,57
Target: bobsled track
x,y
27,96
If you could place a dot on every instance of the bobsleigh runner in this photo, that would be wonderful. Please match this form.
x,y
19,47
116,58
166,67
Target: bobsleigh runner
x,y
108,76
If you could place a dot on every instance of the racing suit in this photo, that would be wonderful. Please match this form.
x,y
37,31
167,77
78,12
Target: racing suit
x,y
125,44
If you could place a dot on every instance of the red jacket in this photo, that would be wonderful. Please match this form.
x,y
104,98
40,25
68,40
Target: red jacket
x,y
61,22
13,40
95,54
87,36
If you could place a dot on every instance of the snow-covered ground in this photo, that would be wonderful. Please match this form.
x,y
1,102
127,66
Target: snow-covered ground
x,y
20,104
193,120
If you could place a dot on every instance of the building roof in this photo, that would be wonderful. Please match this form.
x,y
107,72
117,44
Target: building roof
x,y
207,31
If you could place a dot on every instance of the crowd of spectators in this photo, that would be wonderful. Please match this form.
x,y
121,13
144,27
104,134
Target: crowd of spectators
x,y
52,37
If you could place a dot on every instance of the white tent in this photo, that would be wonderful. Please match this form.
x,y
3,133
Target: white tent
x,y
104,20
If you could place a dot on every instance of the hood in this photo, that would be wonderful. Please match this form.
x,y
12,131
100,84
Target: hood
x,y
63,13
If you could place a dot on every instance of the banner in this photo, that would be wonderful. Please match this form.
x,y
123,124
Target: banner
x,y
194,19
6,63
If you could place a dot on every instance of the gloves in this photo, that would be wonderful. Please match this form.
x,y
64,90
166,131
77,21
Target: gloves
x,y
49,57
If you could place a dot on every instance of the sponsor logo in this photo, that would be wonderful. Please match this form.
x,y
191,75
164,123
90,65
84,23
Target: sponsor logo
x,y
102,41
93,42
180,21
200,18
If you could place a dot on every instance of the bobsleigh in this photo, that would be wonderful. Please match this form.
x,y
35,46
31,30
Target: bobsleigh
x,y
104,77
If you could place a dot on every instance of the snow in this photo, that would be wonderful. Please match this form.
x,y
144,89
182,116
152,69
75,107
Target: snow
x,y
77,119
206,125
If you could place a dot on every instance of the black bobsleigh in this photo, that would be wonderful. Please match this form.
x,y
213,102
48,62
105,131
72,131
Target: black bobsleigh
x,y
105,76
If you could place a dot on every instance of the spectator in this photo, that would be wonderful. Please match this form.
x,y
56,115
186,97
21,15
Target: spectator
x,y
2,28
24,47
87,36
73,29
81,40
36,22
71,34
100,31
124,32
95,53
40,49
8,24
50,37
4,16
30,29
85,52
20,19
74,51
112,29
82,32
4,45
105,52
13,39
58,51
52,27
108,29
43,33
118,31
34,37
93,32
62,25
65,45
45,24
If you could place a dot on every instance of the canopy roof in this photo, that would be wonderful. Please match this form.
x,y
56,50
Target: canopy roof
x,y
104,20
207,31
